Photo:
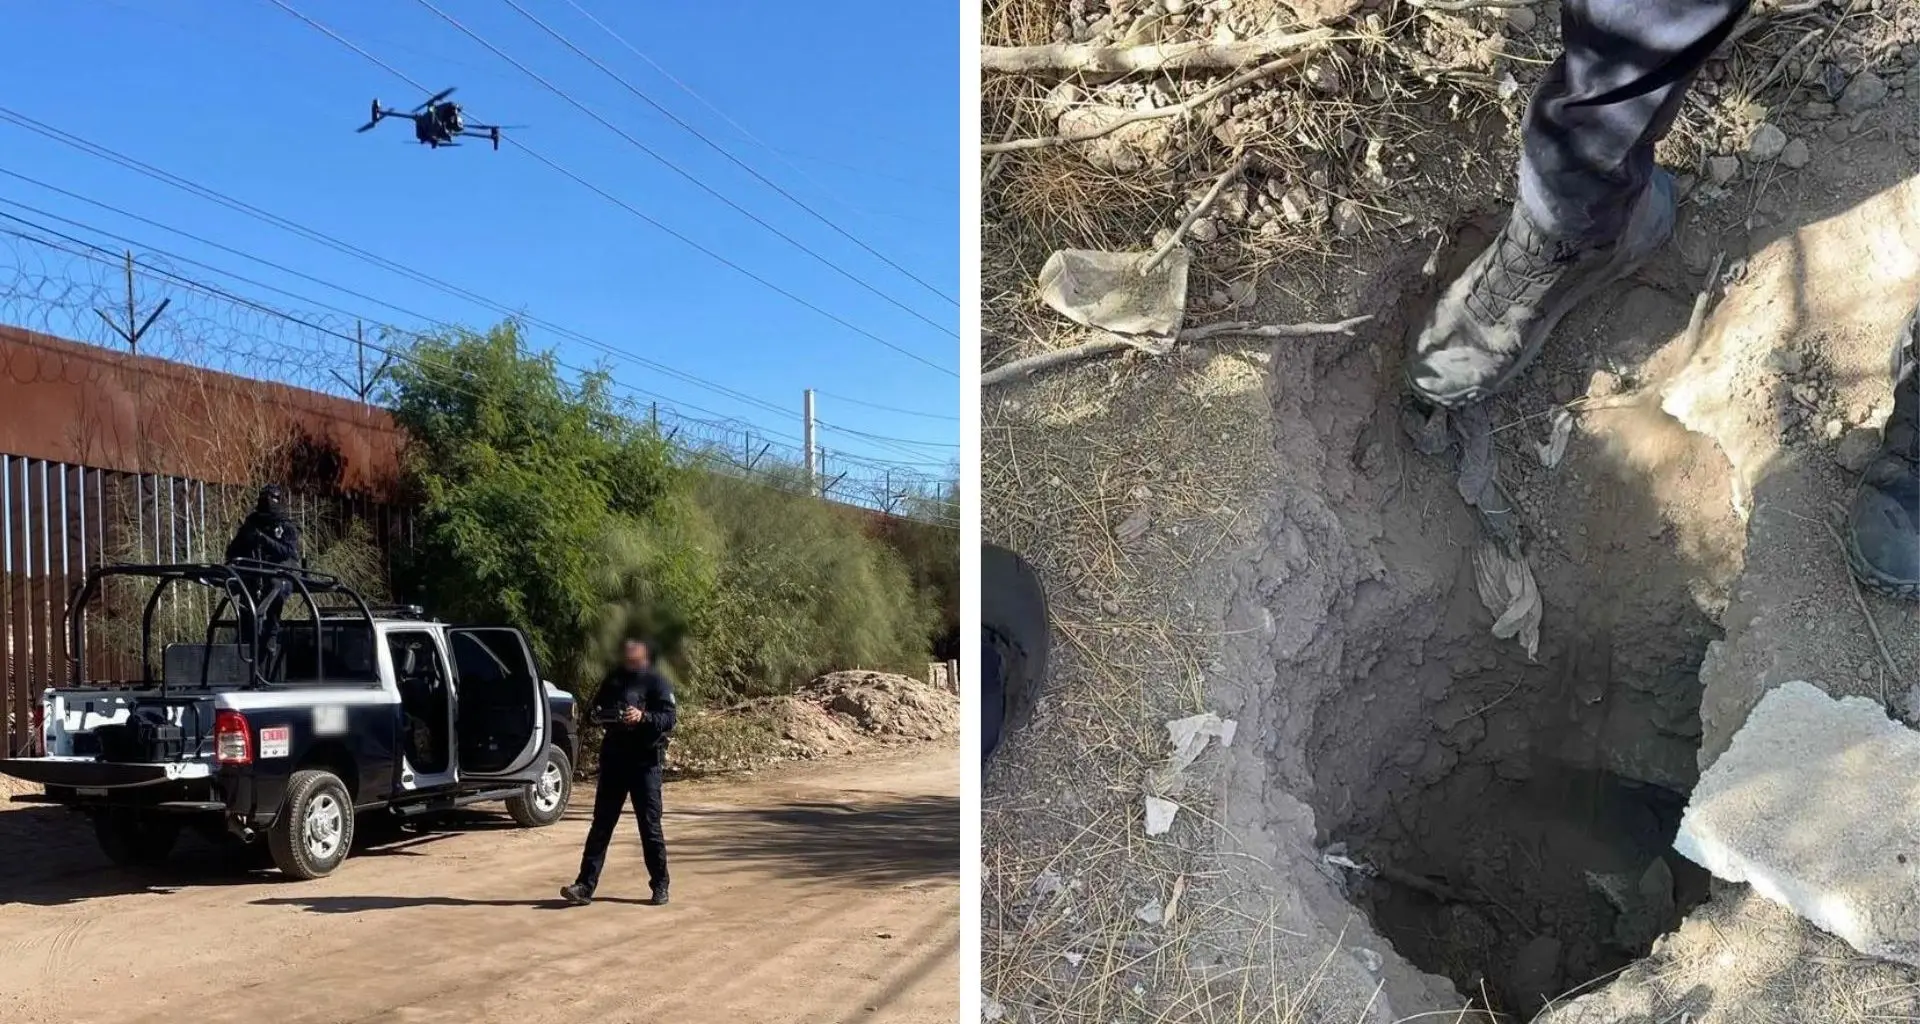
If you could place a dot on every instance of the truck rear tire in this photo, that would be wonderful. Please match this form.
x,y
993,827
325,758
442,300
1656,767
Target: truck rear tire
x,y
136,839
545,802
314,830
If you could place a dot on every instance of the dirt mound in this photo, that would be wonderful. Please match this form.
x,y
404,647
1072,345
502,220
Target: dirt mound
x,y
860,708
838,714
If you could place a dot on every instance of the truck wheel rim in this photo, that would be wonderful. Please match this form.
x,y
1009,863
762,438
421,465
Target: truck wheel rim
x,y
324,820
546,793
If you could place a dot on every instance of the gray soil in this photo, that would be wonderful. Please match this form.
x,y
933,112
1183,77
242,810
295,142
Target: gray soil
x,y
1307,573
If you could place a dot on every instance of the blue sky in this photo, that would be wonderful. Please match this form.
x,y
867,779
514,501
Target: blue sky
x,y
852,106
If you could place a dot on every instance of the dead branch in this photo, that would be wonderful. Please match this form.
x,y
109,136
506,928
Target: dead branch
x,y
1206,202
1248,329
1468,5
1047,360
1197,100
1200,55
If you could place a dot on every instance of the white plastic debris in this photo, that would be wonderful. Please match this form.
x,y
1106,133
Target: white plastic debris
x,y
1508,590
1160,815
1189,738
1555,447
1150,912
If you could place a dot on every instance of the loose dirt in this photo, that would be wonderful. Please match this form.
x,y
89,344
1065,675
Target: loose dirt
x,y
823,893
838,714
1304,571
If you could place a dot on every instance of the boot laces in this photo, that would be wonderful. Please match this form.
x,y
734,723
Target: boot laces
x,y
1524,264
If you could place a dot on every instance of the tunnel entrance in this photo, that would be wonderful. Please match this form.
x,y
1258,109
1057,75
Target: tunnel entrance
x,y
1505,820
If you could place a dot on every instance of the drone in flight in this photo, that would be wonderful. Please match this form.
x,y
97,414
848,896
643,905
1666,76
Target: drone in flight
x,y
438,122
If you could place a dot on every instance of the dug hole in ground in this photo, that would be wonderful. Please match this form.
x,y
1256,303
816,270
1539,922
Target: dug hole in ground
x,y
1413,816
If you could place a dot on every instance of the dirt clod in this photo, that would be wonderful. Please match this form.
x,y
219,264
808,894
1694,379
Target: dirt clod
x,y
1767,143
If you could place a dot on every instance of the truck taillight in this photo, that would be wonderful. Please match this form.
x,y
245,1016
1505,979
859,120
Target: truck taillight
x,y
232,738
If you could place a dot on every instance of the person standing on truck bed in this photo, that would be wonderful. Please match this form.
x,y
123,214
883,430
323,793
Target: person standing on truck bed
x,y
636,707
267,535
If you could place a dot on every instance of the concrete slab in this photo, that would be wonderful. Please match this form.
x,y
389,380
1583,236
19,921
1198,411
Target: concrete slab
x,y
1816,805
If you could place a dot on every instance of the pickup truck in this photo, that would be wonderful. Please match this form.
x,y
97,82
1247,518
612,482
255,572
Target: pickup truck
x,y
354,711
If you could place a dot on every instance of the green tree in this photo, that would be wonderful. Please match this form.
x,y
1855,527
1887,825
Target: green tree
x,y
803,589
541,504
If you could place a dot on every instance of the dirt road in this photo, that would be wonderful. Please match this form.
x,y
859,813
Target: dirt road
x,y
819,894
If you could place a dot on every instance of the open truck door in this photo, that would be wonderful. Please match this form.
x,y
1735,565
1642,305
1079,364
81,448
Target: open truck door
x,y
504,724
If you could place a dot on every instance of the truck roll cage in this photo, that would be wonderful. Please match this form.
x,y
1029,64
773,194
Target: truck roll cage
x,y
238,583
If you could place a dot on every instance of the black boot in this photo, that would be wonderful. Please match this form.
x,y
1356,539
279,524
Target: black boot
x,y
1492,321
1883,526
577,894
659,895
1013,649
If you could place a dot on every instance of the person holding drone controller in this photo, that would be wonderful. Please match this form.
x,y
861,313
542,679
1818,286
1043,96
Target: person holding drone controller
x,y
636,708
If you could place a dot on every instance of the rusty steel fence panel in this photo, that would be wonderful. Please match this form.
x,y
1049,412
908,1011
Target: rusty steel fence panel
x,y
58,521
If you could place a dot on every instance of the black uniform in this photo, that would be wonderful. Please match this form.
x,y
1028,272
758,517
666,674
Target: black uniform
x,y
267,535
631,759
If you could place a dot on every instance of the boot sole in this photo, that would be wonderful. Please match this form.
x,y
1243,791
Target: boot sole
x,y
1014,605
1906,350
1615,272
1886,586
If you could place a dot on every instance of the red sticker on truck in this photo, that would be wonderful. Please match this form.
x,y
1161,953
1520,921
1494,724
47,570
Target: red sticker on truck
x,y
276,742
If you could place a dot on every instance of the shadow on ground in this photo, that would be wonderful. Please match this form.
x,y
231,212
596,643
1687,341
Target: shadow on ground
x,y
915,839
48,855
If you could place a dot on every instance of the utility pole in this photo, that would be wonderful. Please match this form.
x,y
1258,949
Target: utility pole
x,y
135,329
813,462
362,387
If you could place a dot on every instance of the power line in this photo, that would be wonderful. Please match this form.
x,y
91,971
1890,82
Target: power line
x,y
230,250
604,194
104,256
888,408
684,173
294,227
778,154
716,147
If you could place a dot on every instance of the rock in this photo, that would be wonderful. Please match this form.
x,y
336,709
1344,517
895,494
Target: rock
x,y
1816,805
1522,19
1603,384
1857,448
1766,144
1833,430
1175,6
1722,169
1242,292
1320,12
1325,79
1796,155
1203,230
1786,361
1837,131
1062,98
1817,111
1299,207
1347,219
1865,92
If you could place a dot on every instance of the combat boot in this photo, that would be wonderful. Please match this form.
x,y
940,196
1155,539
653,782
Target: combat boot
x,y
1883,524
1013,649
1492,321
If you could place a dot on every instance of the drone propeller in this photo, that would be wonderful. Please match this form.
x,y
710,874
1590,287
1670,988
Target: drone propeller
x,y
365,127
444,93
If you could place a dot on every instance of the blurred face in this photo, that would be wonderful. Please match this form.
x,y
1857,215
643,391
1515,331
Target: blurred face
x,y
636,654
